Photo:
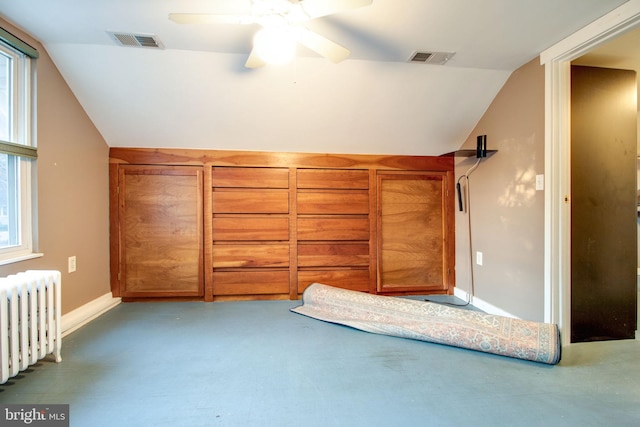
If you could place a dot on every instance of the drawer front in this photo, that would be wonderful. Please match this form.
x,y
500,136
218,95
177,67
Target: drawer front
x,y
251,201
337,255
333,178
356,280
333,202
250,229
232,256
250,177
250,282
333,229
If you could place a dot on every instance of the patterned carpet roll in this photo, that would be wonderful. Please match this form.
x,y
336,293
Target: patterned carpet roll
x,y
436,323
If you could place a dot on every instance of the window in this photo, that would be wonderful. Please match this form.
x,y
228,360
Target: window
x,y
17,148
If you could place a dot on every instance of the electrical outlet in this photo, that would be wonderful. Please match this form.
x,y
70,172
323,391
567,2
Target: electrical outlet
x,y
540,182
479,258
72,264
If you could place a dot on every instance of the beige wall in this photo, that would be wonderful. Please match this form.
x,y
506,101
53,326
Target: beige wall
x,y
507,212
73,188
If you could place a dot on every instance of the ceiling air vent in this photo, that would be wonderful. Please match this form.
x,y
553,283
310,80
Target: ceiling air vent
x,y
437,58
136,40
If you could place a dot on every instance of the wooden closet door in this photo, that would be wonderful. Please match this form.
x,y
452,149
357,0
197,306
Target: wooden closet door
x,y
161,235
413,233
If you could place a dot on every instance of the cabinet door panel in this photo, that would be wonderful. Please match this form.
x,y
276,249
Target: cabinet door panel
x,y
412,232
161,231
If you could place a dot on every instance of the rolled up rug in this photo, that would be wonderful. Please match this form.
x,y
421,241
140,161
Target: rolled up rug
x,y
432,322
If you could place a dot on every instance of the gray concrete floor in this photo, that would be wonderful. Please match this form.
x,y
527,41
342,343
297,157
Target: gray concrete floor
x,y
257,364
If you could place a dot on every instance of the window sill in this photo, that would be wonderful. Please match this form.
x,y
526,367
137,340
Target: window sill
x,y
21,258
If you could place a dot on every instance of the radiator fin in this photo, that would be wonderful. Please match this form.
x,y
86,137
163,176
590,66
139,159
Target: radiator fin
x,y
30,313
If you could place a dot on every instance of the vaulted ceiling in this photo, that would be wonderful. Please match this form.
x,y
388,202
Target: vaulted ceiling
x,y
196,93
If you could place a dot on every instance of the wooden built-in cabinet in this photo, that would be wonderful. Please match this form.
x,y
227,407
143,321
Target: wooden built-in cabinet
x,y
269,224
334,228
160,244
413,232
250,217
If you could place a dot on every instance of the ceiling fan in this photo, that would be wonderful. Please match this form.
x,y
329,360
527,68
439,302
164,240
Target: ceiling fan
x,y
281,22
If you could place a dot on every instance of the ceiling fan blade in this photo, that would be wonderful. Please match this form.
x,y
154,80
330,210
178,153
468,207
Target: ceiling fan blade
x,y
318,8
204,18
254,61
321,45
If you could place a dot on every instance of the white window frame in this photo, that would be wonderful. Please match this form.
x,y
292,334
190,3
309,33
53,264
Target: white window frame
x,y
21,145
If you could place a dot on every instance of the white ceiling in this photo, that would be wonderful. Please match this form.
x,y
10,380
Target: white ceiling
x,y
196,93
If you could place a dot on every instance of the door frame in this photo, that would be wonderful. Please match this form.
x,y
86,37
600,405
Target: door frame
x,y
557,219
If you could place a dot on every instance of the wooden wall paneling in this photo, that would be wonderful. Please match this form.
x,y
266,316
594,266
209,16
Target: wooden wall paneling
x,y
333,228
322,206
293,234
172,156
450,234
251,230
208,233
373,231
114,229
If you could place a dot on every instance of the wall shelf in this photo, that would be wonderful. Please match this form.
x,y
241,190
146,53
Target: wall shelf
x,y
467,153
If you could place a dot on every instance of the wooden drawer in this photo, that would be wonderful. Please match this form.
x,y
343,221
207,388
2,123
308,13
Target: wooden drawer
x,y
356,280
333,178
230,256
333,202
251,201
250,229
333,228
250,177
348,255
250,282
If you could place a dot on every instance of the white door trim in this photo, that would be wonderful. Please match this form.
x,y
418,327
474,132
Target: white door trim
x,y
557,221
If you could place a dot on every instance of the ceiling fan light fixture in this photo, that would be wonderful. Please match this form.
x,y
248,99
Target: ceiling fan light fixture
x,y
274,46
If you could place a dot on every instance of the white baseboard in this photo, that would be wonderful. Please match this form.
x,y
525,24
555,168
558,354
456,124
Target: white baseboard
x,y
482,305
79,317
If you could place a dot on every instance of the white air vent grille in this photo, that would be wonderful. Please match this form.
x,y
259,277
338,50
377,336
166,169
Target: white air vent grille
x,y
136,40
438,58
